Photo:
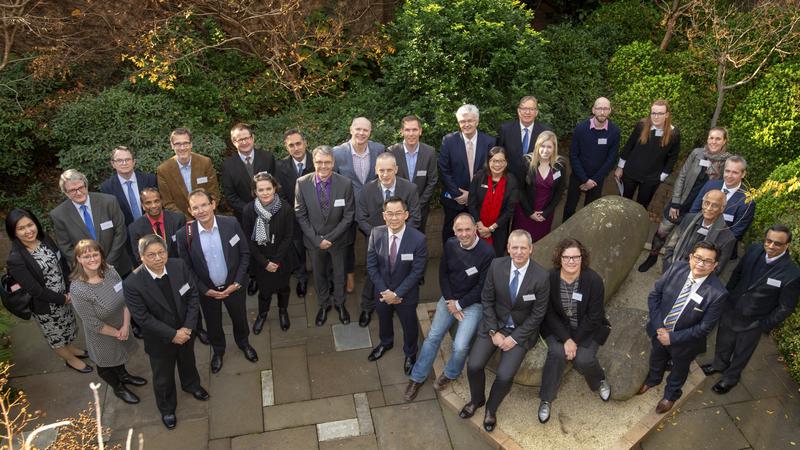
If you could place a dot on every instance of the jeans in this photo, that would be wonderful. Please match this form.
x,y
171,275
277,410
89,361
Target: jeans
x,y
442,320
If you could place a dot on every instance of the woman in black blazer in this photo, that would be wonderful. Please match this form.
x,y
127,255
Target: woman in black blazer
x,y
492,198
39,268
575,325
269,221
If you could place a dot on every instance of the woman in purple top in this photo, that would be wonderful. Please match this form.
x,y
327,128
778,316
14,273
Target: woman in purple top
x,y
544,185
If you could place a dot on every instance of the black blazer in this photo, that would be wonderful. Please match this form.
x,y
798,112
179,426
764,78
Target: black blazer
x,y
112,186
141,227
369,206
592,323
477,193
281,229
26,272
427,172
286,172
528,196
237,185
509,136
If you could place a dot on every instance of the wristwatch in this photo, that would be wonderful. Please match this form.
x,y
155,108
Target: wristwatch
x,y
238,286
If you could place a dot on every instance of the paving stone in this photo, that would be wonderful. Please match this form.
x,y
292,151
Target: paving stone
x,y
235,407
235,362
413,425
462,434
363,413
267,389
708,428
767,424
295,310
297,334
763,383
31,353
341,373
188,434
339,429
304,438
220,444
61,394
290,376
350,337
353,443
309,412
394,393
376,399
390,366
704,397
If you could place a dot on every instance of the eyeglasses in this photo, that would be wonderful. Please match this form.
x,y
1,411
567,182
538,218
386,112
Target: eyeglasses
x,y
466,121
122,160
602,108
76,190
242,140
708,204
391,214
775,243
90,256
528,110
566,258
658,114
705,262
182,144
154,255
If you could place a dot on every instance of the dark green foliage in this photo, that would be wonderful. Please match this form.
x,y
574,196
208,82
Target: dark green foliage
x,y
622,22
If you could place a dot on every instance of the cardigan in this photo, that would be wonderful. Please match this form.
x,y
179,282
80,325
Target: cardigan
x,y
645,163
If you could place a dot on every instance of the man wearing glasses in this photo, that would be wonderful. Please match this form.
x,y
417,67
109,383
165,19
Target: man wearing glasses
x,y
127,183
519,136
764,289
183,173
239,168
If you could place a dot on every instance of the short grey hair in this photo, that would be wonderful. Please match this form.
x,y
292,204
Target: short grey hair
x,y
464,215
121,148
737,159
519,233
324,150
386,156
148,240
468,109
71,175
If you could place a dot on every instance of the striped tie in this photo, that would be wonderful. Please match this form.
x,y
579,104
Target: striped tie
x,y
680,302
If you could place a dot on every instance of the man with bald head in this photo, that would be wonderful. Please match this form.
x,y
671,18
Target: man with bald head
x,y
594,146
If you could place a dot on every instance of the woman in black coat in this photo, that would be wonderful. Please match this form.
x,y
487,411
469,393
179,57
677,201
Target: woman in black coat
x,y
492,198
39,268
269,221
575,325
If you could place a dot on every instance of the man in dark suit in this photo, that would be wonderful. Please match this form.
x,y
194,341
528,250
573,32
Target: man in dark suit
x,y
127,183
739,213
325,207
239,168
519,136
462,154
156,220
90,215
764,289
396,259
684,306
183,173
162,298
416,162
369,214
215,248
514,297
296,164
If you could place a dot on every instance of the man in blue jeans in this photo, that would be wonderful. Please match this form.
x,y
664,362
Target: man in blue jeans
x,y
462,271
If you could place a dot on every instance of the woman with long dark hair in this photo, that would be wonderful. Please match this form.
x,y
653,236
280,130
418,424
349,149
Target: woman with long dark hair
x,y
492,198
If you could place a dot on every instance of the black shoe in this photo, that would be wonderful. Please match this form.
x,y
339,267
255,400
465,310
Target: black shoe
x,y
283,318
489,421
301,289
200,394
469,409
648,263
216,363
132,379
203,336
408,364
169,421
378,351
722,387
87,369
137,330
709,369
364,318
258,325
544,412
322,315
83,355
250,353
344,316
252,287
125,395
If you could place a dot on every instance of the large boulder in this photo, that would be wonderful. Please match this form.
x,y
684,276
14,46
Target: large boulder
x,y
625,355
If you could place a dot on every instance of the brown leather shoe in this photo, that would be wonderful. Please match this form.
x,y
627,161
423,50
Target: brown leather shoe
x,y
643,389
411,390
441,382
664,405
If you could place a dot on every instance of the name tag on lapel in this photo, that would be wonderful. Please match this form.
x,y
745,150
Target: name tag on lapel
x,y
485,186
602,141
422,173
234,240
728,217
338,202
577,296
118,287
184,289
773,282
106,225
528,297
58,254
556,175
202,180
174,239
471,271
696,298
407,257
703,231
705,163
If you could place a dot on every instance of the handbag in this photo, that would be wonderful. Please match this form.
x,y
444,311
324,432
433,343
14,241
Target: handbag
x,y
15,299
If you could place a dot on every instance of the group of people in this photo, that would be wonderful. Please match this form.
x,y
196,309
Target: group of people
x,y
499,197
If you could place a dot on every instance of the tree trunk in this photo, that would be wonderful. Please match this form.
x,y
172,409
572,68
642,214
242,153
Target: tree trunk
x,y
672,19
720,93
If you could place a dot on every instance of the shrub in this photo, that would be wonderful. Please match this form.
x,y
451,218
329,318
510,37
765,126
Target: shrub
x,y
622,22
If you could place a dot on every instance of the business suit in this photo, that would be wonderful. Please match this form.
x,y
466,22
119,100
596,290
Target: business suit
x,y
761,297
174,195
112,186
509,136
454,173
286,171
738,213
688,338
237,184
237,259
478,189
425,176
160,318
681,242
333,227
527,312
109,225
141,227
27,272
402,279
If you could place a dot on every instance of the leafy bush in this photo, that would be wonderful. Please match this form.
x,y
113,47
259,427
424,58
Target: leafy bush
x,y
622,22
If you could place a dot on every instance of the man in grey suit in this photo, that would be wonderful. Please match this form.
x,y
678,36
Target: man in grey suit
x,y
369,214
90,215
324,206
416,162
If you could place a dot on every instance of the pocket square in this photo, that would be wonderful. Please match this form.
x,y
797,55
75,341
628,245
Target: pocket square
x,y
698,309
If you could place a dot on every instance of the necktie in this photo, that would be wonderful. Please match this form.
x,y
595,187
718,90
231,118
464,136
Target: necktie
x,y
392,253
677,307
157,229
386,194
725,191
525,141
324,201
470,158
299,169
249,166
512,288
88,219
135,209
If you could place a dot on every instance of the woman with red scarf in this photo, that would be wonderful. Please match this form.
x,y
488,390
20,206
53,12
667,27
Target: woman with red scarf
x,y
492,198
544,185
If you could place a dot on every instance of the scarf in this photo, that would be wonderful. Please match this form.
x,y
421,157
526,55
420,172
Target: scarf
x,y
263,215
715,170
492,203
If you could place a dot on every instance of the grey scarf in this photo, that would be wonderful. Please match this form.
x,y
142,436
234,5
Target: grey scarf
x,y
263,215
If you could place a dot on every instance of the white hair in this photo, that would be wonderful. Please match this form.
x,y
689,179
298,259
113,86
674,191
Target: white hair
x,y
468,109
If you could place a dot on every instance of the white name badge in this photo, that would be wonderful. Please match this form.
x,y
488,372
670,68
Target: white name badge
x,y
234,240
183,289
422,173
728,217
338,202
485,186
556,175
577,296
703,231
174,239
659,132
696,298
705,163
773,282
106,225
118,287
202,180
528,297
602,141
407,257
471,271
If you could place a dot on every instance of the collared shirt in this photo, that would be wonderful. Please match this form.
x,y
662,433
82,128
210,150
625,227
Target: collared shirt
x,y
593,124
474,141
411,160
297,163
244,157
360,163
473,245
772,260
153,274
731,191
320,185
186,173
399,235
134,186
88,204
522,271
160,219
522,129
390,188
211,243
697,283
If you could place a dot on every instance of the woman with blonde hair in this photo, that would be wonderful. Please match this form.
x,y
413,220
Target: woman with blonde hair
x,y
544,185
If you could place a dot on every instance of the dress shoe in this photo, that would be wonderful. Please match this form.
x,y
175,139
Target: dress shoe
x,y
136,330
283,318
709,369
301,289
408,364
605,391
203,336
132,379
364,318
489,421
645,387
250,353
216,363
200,394
664,405
544,412
83,355
411,390
378,351
344,316
350,285
258,325
125,395
252,287
322,315
169,421
722,387
469,409
441,382
86,369
648,263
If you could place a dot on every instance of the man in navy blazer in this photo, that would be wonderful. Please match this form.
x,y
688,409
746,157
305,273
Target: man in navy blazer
x,y
123,160
215,248
462,154
684,306
156,220
738,213
396,259
239,168
519,136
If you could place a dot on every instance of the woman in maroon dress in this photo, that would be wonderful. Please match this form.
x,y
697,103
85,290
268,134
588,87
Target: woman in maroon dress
x,y
544,184
492,197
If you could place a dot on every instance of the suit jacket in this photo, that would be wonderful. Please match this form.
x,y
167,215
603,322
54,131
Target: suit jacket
x,y
590,310
281,230
698,317
149,307
343,163
409,266
509,136
235,248
427,174
111,186
527,199
369,208
109,225
174,195
141,227
529,307
317,227
26,271
764,301
453,165
237,185
738,213
286,171
477,194
678,246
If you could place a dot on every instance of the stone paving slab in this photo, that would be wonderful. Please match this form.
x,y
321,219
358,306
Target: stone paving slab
x,y
353,443
290,376
462,435
767,424
704,397
235,362
219,444
342,373
304,438
297,334
393,394
61,394
350,337
680,432
339,429
188,434
412,426
235,406
32,355
310,412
